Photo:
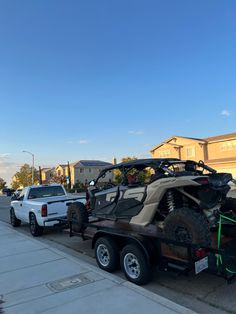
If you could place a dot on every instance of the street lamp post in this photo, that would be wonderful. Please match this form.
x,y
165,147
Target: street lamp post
x,y
25,151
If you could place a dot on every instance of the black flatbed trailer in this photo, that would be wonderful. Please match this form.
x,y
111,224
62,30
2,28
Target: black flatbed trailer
x,y
139,249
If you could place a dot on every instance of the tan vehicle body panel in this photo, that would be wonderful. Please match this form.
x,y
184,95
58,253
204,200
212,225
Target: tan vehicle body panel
x,y
155,192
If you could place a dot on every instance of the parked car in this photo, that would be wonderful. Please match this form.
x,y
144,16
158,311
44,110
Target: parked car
x,y
40,206
8,191
183,198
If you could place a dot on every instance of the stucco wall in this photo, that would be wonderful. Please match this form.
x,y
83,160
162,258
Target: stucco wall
x,y
218,150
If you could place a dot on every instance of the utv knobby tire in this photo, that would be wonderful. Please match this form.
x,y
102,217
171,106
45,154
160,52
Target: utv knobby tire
x,y
229,230
229,205
188,226
77,215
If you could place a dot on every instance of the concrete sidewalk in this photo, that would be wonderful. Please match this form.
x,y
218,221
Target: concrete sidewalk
x,y
37,278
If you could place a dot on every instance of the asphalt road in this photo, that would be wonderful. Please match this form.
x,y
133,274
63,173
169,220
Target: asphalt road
x,y
203,293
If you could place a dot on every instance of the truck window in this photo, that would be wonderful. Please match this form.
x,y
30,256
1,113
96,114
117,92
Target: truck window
x,y
47,191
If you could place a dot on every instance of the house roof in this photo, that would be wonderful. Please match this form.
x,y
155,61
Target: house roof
x,y
202,140
220,137
46,169
177,145
63,166
91,163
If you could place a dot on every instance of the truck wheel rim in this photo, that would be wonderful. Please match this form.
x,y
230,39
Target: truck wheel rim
x,y
132,266
103,255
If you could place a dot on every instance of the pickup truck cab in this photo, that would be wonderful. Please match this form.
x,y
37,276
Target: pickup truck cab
x,y
40,206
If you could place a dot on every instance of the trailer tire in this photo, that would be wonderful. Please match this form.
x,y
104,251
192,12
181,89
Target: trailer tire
x,y
107,254
188,226
135,265
77,215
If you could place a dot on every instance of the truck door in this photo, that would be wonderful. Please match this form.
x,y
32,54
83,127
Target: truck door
x,y
18,205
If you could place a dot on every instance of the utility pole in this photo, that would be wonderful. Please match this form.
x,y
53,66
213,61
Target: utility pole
x,y
25,151
69,175
40,176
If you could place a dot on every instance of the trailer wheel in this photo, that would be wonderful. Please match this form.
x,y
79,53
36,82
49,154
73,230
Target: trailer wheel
x,y
186,225
107,254
35,229
135,265
77,215
15,222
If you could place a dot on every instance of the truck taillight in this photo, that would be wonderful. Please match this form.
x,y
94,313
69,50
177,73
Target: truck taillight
x,y
44,210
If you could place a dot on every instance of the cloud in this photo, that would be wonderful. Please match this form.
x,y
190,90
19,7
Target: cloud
x,y
136,132
83,141
225,113
4,156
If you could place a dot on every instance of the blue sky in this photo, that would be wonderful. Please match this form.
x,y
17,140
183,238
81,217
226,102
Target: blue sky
x,y
103,78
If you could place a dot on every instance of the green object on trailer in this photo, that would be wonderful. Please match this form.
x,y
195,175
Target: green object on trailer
x,y
219,257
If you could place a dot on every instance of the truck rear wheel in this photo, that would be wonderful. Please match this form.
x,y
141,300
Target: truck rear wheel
x,y
188,226
107,254
35,229
135,265
15,222
77,215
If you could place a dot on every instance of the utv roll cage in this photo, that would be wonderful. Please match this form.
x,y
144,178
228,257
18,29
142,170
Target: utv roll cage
x,y
161,164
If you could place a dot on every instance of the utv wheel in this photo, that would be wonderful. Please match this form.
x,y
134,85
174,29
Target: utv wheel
x,y
135,265
188,226
15,222
35,229
107,254
77,215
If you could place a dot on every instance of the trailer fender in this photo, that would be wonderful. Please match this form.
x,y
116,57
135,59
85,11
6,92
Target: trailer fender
x,y
123,239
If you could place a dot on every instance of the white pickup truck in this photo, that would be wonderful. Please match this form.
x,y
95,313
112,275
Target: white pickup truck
x,y
41,206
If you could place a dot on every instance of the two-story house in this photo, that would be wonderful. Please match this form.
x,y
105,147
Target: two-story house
x,y
86,170
47,175
219,152
81,171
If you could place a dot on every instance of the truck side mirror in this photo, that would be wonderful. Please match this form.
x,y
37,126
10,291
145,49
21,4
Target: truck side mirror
x,y
92,183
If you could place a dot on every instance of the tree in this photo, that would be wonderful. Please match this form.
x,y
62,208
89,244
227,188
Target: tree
x,y
2,184
118,174
24,177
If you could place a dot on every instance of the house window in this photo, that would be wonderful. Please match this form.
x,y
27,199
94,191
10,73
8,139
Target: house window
x,y
228,146
59,173
81,170
90,170
190,151
164,153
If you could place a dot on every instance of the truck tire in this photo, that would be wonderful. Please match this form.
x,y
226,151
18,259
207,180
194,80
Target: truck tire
x,y
77,215
107,254
15,222
35,229
188,226
135,265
